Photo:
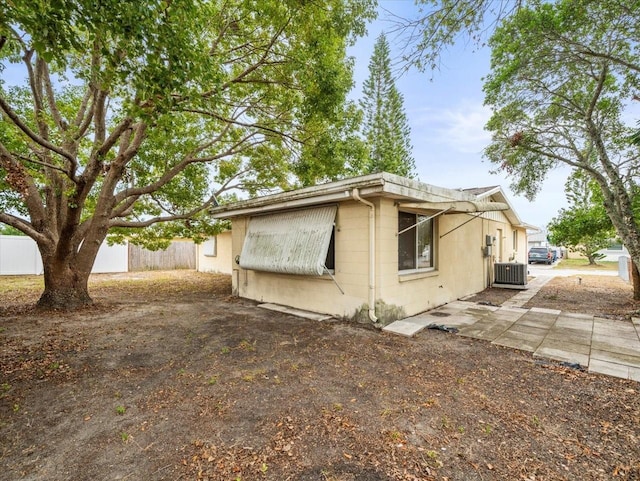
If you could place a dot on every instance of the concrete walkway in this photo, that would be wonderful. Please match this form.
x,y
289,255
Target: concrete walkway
x,y
600,345
524,296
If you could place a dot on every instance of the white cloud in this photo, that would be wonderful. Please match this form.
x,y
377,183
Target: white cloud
x,y
459,127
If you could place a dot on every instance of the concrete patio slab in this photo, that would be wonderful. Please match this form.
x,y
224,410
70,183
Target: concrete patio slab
x,y
616,357
421,319
461,305
612,324
459,320
562,356
506,315
575,336
543,310
607,346
486,330
404,328
616,347
314,316
615,335
531,319
576,315
574,323
518,340
602,324
481,310
562,350
613,369
514,310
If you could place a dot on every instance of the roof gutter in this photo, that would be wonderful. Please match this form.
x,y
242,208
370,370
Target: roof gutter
x,y
355,193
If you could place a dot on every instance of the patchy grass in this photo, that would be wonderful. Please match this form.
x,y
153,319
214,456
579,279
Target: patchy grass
x,y
583,264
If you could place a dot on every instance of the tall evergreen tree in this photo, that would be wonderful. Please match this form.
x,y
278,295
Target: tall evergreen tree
x,y
386,128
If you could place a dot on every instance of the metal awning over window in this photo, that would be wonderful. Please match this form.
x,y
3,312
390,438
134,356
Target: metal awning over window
x,y
294,242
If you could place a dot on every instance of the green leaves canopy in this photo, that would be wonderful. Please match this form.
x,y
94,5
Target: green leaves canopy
x,y
583,227
147,111
139,115
582,230
560,83
563,77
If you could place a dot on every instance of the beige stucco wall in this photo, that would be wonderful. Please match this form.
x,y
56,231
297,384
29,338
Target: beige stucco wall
x,y
221,262
318,294
460,265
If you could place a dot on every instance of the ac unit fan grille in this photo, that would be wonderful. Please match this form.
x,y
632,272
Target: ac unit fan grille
x,y
510,273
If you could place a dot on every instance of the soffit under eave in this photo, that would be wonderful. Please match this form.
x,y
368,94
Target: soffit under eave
x,y
498,195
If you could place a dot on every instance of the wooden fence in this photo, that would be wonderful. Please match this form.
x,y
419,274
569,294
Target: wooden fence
x,y
179,255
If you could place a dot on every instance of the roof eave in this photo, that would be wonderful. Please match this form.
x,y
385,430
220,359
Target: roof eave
x,y
382,184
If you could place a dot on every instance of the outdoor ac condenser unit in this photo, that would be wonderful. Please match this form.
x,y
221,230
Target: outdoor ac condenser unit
x,y
510,273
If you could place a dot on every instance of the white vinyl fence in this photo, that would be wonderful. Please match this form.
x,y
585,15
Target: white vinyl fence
x,y
19,255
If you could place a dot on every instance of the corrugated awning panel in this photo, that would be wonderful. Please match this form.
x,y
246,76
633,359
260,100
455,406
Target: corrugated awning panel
x,y
294,242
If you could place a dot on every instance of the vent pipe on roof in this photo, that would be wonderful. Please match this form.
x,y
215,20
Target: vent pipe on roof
x,y
355,193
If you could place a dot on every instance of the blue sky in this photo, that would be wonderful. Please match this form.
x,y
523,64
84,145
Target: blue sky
x,y
446,114
447,117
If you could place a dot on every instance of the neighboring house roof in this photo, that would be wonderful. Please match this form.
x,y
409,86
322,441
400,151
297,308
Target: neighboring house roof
x,y
538,237
408,192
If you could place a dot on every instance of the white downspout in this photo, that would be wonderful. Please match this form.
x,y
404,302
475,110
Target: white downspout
x,y
372,254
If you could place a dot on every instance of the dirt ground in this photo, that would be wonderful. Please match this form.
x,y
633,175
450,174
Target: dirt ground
x,y
605,296
168,377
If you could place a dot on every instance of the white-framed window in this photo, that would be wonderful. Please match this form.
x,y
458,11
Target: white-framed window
x,y
210,247
416,247
515,241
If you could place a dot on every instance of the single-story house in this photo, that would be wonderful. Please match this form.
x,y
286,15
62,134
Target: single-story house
x,y
379,245
538,239
214,254
611,253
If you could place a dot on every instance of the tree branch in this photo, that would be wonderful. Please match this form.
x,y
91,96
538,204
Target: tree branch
x,y
24,185
22,225
598,91
31,134
114,136
234,121
170,174
55,113
42,163
155,220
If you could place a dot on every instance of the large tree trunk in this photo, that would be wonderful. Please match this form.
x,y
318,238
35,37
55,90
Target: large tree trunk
x,y
65,287
635,278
